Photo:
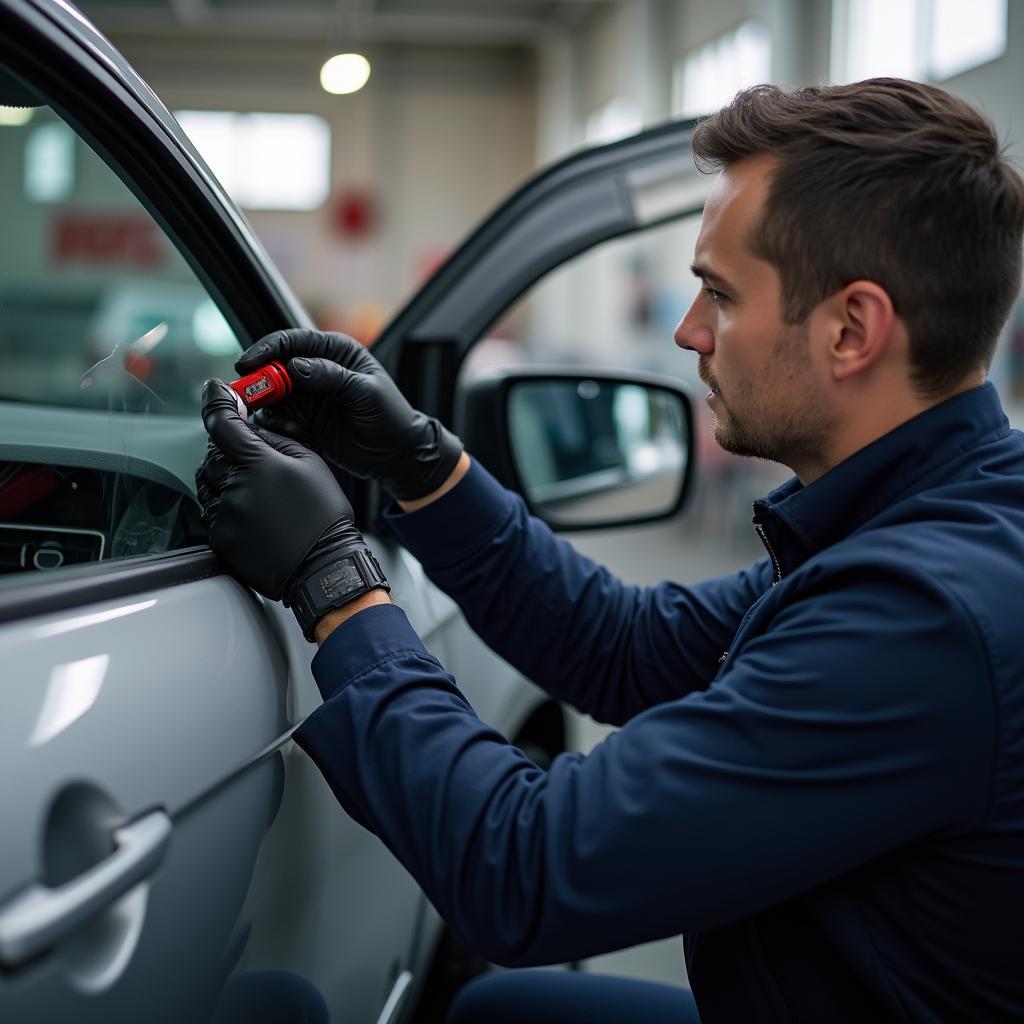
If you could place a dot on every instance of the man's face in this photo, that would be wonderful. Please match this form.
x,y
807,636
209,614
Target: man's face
x,y
764,395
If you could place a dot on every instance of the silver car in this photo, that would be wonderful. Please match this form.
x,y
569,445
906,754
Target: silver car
x,y
163,842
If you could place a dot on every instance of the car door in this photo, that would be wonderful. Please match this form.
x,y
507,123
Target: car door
x,y
147,697
141,689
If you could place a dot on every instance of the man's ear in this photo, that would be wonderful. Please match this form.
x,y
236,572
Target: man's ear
x,y
863,328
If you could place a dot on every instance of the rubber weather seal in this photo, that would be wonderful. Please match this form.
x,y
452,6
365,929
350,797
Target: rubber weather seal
x,y
61,590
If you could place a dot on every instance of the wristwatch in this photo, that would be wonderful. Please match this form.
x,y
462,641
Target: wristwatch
x,y
332,584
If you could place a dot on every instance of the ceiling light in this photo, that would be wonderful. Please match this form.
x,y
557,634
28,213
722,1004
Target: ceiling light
x,y
345,73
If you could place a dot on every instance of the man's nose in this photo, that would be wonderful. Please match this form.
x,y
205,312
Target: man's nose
x,y
691,334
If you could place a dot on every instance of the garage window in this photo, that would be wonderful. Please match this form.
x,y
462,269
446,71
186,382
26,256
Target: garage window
x,y
264,161
927,40
709,77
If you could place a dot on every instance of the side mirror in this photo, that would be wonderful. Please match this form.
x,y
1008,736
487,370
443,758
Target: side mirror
x,y
586,452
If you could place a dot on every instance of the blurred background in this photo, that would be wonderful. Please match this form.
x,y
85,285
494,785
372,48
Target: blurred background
x,y
363,139
359,196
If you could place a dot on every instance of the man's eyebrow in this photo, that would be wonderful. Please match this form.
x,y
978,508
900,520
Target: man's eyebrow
x,y
705,273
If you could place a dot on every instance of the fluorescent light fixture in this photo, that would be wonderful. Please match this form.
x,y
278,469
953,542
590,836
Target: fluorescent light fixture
x,y
345,73
15,116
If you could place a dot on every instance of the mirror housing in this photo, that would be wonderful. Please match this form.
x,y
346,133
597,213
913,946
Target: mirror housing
x,y
596,450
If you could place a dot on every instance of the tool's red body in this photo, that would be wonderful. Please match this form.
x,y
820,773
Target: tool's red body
x,y
267,385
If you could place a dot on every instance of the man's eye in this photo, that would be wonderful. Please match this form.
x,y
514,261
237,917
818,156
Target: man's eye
x,y
714,296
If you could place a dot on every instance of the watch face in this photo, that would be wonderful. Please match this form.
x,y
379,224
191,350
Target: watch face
x,y
341,580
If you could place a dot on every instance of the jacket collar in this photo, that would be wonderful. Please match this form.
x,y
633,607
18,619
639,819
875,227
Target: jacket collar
x,y
796,522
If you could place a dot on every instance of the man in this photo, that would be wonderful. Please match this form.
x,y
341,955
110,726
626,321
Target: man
x,y
819,776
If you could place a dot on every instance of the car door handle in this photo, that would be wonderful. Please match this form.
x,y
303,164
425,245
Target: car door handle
x,y
39,916
389,1012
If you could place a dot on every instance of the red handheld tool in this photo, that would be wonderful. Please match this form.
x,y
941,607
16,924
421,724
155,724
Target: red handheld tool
x,y
267,385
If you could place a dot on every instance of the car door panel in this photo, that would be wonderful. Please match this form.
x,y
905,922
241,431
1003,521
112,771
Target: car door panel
x,y
328,901
163,700
177,969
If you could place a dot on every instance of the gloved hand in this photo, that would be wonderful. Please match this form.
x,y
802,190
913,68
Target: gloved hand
x,y
276,514
346,407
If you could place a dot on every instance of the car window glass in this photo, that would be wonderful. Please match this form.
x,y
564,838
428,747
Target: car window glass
x,y
106,338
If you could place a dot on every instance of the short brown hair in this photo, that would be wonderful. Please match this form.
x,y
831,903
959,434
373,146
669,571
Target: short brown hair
x,y
891,181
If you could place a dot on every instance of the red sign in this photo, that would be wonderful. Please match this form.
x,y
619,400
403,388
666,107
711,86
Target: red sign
x,y
355,214
107,239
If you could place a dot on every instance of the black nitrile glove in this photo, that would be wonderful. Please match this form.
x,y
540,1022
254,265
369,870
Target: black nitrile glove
x,y
276,513
346,407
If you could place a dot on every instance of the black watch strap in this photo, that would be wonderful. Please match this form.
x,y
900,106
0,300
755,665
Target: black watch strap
x,y
332,584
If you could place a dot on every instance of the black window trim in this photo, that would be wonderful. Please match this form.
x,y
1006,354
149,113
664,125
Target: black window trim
x,y
77,586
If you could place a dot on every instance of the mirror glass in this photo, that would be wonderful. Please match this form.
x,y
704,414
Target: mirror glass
x,y
593,453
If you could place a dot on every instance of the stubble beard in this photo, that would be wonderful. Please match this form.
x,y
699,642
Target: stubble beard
x,y
789,426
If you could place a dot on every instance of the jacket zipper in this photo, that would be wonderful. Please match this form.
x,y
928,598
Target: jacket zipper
x,y
777,578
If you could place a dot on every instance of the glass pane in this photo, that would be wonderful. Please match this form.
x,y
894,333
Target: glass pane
x,y
106,338
97,308
593,452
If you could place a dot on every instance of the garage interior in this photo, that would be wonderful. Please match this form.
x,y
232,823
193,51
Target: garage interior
x,y
467,99
358,197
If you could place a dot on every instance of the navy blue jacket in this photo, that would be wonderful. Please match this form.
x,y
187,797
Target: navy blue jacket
x,y
819,775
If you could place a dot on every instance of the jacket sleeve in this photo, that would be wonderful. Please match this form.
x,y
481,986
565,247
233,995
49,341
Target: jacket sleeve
x,y
609,649
861,721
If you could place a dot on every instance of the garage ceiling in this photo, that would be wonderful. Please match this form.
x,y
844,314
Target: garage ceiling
x,y
472,22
